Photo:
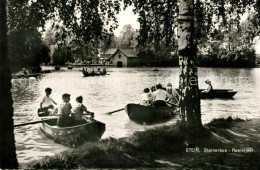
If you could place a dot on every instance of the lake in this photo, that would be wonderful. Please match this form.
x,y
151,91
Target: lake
x,y
122,86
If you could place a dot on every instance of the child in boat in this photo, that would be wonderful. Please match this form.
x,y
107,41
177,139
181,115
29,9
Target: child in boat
x,y
46,104
64,111
78,110
146,98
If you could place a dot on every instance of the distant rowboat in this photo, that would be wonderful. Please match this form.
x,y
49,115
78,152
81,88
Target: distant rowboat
x,y
25,76
150,114
95,74
73,135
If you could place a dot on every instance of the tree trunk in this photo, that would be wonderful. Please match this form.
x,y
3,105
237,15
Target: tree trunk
x,y
188,80
7,142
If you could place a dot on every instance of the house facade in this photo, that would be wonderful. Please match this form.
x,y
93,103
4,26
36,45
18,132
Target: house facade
x,y
126,58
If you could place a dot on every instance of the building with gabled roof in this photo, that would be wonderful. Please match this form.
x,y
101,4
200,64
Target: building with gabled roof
x,y
126,58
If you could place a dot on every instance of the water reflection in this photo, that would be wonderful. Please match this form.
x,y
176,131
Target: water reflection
x,y
111,92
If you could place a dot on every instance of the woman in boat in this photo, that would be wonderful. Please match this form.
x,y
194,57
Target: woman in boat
x,y
46,106
209,87
146,98
64,111
160,96
173,95
78,110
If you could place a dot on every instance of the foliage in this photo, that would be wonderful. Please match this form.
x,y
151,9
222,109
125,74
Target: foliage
x,y
229,46
127,38
157,20
161,56
85,20
26,49
108,41
61,56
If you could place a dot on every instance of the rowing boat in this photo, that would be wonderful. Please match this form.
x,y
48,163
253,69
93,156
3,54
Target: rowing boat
x,y
25,76
218,93
149,114
95,74
76,135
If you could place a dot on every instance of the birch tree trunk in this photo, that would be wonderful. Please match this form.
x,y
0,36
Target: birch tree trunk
x,y
188,80
7,143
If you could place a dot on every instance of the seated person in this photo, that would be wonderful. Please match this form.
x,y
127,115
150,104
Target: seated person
x,y
83,71
93,72
173,95
99,71
153,88
146,98
24,71
160,96
209,87
78,110
64,111
104,71
46,104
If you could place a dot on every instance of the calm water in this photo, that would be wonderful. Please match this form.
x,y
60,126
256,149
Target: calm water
x,y
114,91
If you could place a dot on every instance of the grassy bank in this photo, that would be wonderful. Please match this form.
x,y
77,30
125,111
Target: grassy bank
x,y
166,147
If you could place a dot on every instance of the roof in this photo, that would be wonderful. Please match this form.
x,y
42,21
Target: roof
x,y
129,52
110,51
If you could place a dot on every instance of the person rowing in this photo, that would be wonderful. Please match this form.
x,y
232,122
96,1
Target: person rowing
x,y
209,88
160,96
46,105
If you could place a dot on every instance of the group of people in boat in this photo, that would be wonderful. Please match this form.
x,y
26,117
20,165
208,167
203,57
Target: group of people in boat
x,y
158,96
68,115
99,71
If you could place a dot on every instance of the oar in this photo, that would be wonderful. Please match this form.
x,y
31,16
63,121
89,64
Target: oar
x,y
109,113
34,122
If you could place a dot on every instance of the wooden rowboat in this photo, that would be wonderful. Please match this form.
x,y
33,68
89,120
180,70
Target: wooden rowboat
x,y
91,130
149,114
25,76
218,93
91,75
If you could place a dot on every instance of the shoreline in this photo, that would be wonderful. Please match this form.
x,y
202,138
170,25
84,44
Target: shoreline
x,y
229,144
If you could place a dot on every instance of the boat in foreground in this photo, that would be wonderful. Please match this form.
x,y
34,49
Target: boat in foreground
x,y
91,130
218,93
150,114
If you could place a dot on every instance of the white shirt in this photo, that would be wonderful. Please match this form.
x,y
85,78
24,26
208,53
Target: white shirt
x,y
160,95
146,99
46,101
